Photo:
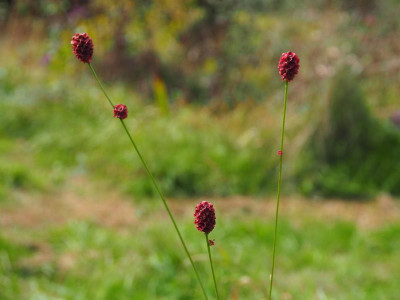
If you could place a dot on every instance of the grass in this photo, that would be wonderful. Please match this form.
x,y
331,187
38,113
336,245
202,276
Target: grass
x,y
85,247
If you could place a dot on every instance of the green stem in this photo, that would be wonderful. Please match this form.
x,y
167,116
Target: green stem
x,y
279,191
211,264
101,86
155,186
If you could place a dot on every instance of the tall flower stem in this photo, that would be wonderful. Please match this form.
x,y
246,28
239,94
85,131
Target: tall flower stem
x,y
155,185
279,190
211,264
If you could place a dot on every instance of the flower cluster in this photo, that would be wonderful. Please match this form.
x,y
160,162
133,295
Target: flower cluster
x,y
289,65
82,46
120,111
204,217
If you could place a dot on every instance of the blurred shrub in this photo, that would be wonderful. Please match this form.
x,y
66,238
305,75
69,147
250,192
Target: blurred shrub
x,y
352,153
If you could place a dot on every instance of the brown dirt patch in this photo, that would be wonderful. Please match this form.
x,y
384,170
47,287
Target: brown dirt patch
x,y
80,202
84,202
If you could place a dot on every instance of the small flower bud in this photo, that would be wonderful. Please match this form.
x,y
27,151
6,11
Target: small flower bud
x,y
82,46
120,111
204,217
280,153
288,65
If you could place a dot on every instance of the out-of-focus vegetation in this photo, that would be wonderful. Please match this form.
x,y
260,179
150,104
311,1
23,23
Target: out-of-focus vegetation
x,y
351,154
205,107
141,258
204,96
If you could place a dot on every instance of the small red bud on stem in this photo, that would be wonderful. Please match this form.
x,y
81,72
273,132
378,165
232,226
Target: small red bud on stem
x,y
120,111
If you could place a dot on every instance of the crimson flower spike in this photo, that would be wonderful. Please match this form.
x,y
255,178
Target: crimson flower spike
x,y
82,46
288,66
204,219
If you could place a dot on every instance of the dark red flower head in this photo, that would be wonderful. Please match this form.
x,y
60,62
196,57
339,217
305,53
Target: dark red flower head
x,y
289,65
204,217
82,46
120,111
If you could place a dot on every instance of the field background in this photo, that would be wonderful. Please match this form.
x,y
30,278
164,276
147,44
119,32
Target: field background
x,y
79,218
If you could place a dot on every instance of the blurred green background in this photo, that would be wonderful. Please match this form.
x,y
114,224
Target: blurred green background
x,y
79,218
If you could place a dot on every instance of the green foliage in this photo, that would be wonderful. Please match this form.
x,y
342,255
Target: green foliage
x,y
352,153
83,260
16,176
56,124
188,151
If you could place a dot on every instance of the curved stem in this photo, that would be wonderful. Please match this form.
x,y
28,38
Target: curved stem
x,y
279,191
155,186
211,264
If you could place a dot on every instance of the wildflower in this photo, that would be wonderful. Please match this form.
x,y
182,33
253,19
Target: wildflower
x,y
204,217
82,46
120,111
288,68
288,65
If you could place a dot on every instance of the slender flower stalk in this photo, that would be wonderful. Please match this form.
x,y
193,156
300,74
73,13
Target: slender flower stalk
x,y
82,46
156,187
279,191
288,68
204,218
210,243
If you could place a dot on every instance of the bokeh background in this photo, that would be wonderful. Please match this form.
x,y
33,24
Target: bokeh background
x,y
79,218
